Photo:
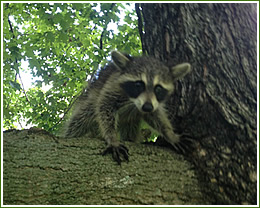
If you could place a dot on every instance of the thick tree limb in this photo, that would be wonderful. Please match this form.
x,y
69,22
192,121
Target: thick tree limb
x,y
40,169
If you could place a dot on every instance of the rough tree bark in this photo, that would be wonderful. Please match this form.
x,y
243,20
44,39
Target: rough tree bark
x,y
40,169
217,103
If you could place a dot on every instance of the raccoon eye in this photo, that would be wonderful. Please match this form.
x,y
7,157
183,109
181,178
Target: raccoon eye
x,y
160,92
133,89
139,86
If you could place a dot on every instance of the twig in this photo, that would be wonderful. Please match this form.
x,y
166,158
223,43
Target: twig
x,y
102,34
11,28
18,73
24,88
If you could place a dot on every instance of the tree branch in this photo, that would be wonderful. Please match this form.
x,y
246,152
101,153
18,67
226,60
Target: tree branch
x,y
18,73
105,28
42,169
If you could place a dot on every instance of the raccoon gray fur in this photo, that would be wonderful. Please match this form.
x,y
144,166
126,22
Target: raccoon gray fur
x,y
127,91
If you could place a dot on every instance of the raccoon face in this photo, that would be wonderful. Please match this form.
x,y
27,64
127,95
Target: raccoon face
x,y
147,84
145,98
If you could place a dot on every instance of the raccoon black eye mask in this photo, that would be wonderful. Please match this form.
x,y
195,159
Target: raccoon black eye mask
x,y
129,90
160,92
133,88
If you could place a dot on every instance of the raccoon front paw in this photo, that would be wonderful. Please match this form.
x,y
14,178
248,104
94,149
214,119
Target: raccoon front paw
x,y
118,152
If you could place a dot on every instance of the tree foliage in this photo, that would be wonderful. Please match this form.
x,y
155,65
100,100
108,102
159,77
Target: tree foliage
x,y
64,44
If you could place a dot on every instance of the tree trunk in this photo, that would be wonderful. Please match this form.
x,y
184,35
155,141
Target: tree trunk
x,y
40,169
217,103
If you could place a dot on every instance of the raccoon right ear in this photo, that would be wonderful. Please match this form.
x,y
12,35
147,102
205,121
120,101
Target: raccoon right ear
x,y
119,59
180,70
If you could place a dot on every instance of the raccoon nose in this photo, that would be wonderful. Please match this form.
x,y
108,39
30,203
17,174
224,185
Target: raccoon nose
x,y
147,107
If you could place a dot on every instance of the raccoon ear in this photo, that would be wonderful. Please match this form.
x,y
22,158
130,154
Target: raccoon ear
x,y
180,70
119,59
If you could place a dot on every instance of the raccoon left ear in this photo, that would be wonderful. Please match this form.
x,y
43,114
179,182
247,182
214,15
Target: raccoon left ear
x,y
180,70
119,59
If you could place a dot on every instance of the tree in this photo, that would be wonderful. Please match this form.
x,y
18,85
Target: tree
x,y
63,44
217,103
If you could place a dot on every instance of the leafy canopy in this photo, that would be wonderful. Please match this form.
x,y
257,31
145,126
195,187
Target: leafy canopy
x,y
63,43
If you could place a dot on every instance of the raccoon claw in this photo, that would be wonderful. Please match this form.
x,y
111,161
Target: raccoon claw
x,y
185,145
117,152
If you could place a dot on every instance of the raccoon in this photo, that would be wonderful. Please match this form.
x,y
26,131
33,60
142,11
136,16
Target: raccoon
x,y
127,91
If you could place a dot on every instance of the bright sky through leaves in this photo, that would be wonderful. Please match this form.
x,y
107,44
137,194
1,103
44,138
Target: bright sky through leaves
x,y
53,48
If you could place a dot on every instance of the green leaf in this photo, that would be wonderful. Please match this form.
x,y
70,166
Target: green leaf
x,y
57,18
34,63
6,113
59,53
50,37
15,85
63,37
